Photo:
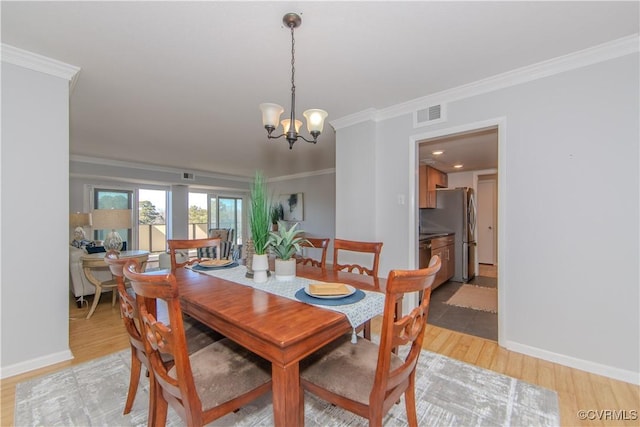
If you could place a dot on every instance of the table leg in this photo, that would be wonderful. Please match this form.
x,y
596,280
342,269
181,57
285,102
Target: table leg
x,y
96,299
288,398
95,282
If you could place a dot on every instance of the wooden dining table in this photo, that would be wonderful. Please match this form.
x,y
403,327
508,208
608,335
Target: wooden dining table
x,y
279,329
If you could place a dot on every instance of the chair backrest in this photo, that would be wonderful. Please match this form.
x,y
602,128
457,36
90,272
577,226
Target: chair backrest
x,y
227,243
128,306
179,245
314,243
409,330
373,248
160,338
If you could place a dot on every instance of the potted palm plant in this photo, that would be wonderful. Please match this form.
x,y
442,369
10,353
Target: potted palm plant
x,y
259,222
277,213
284,244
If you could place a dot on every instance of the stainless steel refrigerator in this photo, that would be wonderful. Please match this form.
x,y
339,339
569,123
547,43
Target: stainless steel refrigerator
x,y
455,212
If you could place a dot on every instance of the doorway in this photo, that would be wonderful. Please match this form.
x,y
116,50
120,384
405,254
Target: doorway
x,y
469,157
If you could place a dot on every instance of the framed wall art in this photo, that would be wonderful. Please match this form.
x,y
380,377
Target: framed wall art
x,y
292,206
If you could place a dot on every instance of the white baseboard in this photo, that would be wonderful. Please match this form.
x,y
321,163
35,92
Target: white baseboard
x,y
33,364
584,365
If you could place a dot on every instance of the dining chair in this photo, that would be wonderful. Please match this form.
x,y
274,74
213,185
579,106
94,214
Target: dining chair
x,y
353,246
198,336
367,378
373,248
314,243
203,386
129,314
181,248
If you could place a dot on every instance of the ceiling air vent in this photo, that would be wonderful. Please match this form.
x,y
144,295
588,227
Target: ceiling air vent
x,y
428,116
188,176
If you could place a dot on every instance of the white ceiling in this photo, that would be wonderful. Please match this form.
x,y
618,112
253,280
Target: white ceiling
x,y
179,83
477,150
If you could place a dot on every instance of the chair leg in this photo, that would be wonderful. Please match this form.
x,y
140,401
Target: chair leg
x,y
366,333
410,403
96,299
153,389
134,380
161,408
114,297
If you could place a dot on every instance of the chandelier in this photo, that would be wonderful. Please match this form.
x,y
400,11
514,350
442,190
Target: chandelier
x,y
271,112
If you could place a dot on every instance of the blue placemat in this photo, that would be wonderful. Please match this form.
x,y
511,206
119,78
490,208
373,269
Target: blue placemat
x,y
198,267
301,295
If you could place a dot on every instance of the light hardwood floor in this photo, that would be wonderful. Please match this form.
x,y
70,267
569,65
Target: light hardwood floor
x,y
577,390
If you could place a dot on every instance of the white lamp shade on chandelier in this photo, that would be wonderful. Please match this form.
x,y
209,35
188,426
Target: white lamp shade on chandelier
x,y
315,119
271,117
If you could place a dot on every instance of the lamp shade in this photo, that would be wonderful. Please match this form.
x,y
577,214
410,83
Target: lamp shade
x,y
315,119
104,219
271,114
286,124
79,219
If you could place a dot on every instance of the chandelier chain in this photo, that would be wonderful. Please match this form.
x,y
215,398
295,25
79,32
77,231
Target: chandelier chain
x,y
293,62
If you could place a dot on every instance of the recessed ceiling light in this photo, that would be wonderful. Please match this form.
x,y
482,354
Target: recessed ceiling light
x,y
437,153
458,166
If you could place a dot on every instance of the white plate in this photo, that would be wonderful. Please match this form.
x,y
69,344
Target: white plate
x,y
352,290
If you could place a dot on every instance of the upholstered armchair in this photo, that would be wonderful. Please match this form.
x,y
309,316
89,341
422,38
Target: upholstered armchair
x,y
227,243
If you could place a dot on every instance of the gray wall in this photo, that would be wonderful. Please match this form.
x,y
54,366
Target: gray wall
x,y
568,205
35,220
319,195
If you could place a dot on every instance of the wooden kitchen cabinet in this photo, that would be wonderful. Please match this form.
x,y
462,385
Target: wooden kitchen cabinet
x,y
430,179
444,247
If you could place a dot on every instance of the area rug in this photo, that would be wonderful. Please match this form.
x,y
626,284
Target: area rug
x,y
476,297
448,392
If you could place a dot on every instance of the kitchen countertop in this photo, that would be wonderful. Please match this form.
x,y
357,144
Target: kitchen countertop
x,y
434,235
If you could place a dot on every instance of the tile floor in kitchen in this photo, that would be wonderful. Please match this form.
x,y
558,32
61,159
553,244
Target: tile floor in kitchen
x,y
469,321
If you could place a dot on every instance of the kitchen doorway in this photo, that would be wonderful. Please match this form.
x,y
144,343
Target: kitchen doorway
x,y
476,150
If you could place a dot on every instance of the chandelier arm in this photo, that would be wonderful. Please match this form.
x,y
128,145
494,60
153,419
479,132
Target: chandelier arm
x,y
276,137
313,141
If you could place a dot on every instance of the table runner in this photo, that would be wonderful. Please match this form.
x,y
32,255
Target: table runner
x,y
357,313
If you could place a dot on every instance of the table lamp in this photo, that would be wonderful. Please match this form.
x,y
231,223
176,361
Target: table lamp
x,y
113,219
81,220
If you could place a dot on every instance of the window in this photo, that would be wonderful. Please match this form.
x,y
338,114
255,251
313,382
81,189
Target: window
x,y
152,220
228,215
214,211
198,216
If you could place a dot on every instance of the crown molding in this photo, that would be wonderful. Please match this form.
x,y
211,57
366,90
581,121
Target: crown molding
x,y
43,64
593,55
303,175
352,119
155,168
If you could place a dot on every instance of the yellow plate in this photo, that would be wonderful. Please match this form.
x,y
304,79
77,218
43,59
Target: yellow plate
x,y
329,289
215,262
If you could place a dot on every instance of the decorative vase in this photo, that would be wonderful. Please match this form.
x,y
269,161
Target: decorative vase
x,y
260,267
285,269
